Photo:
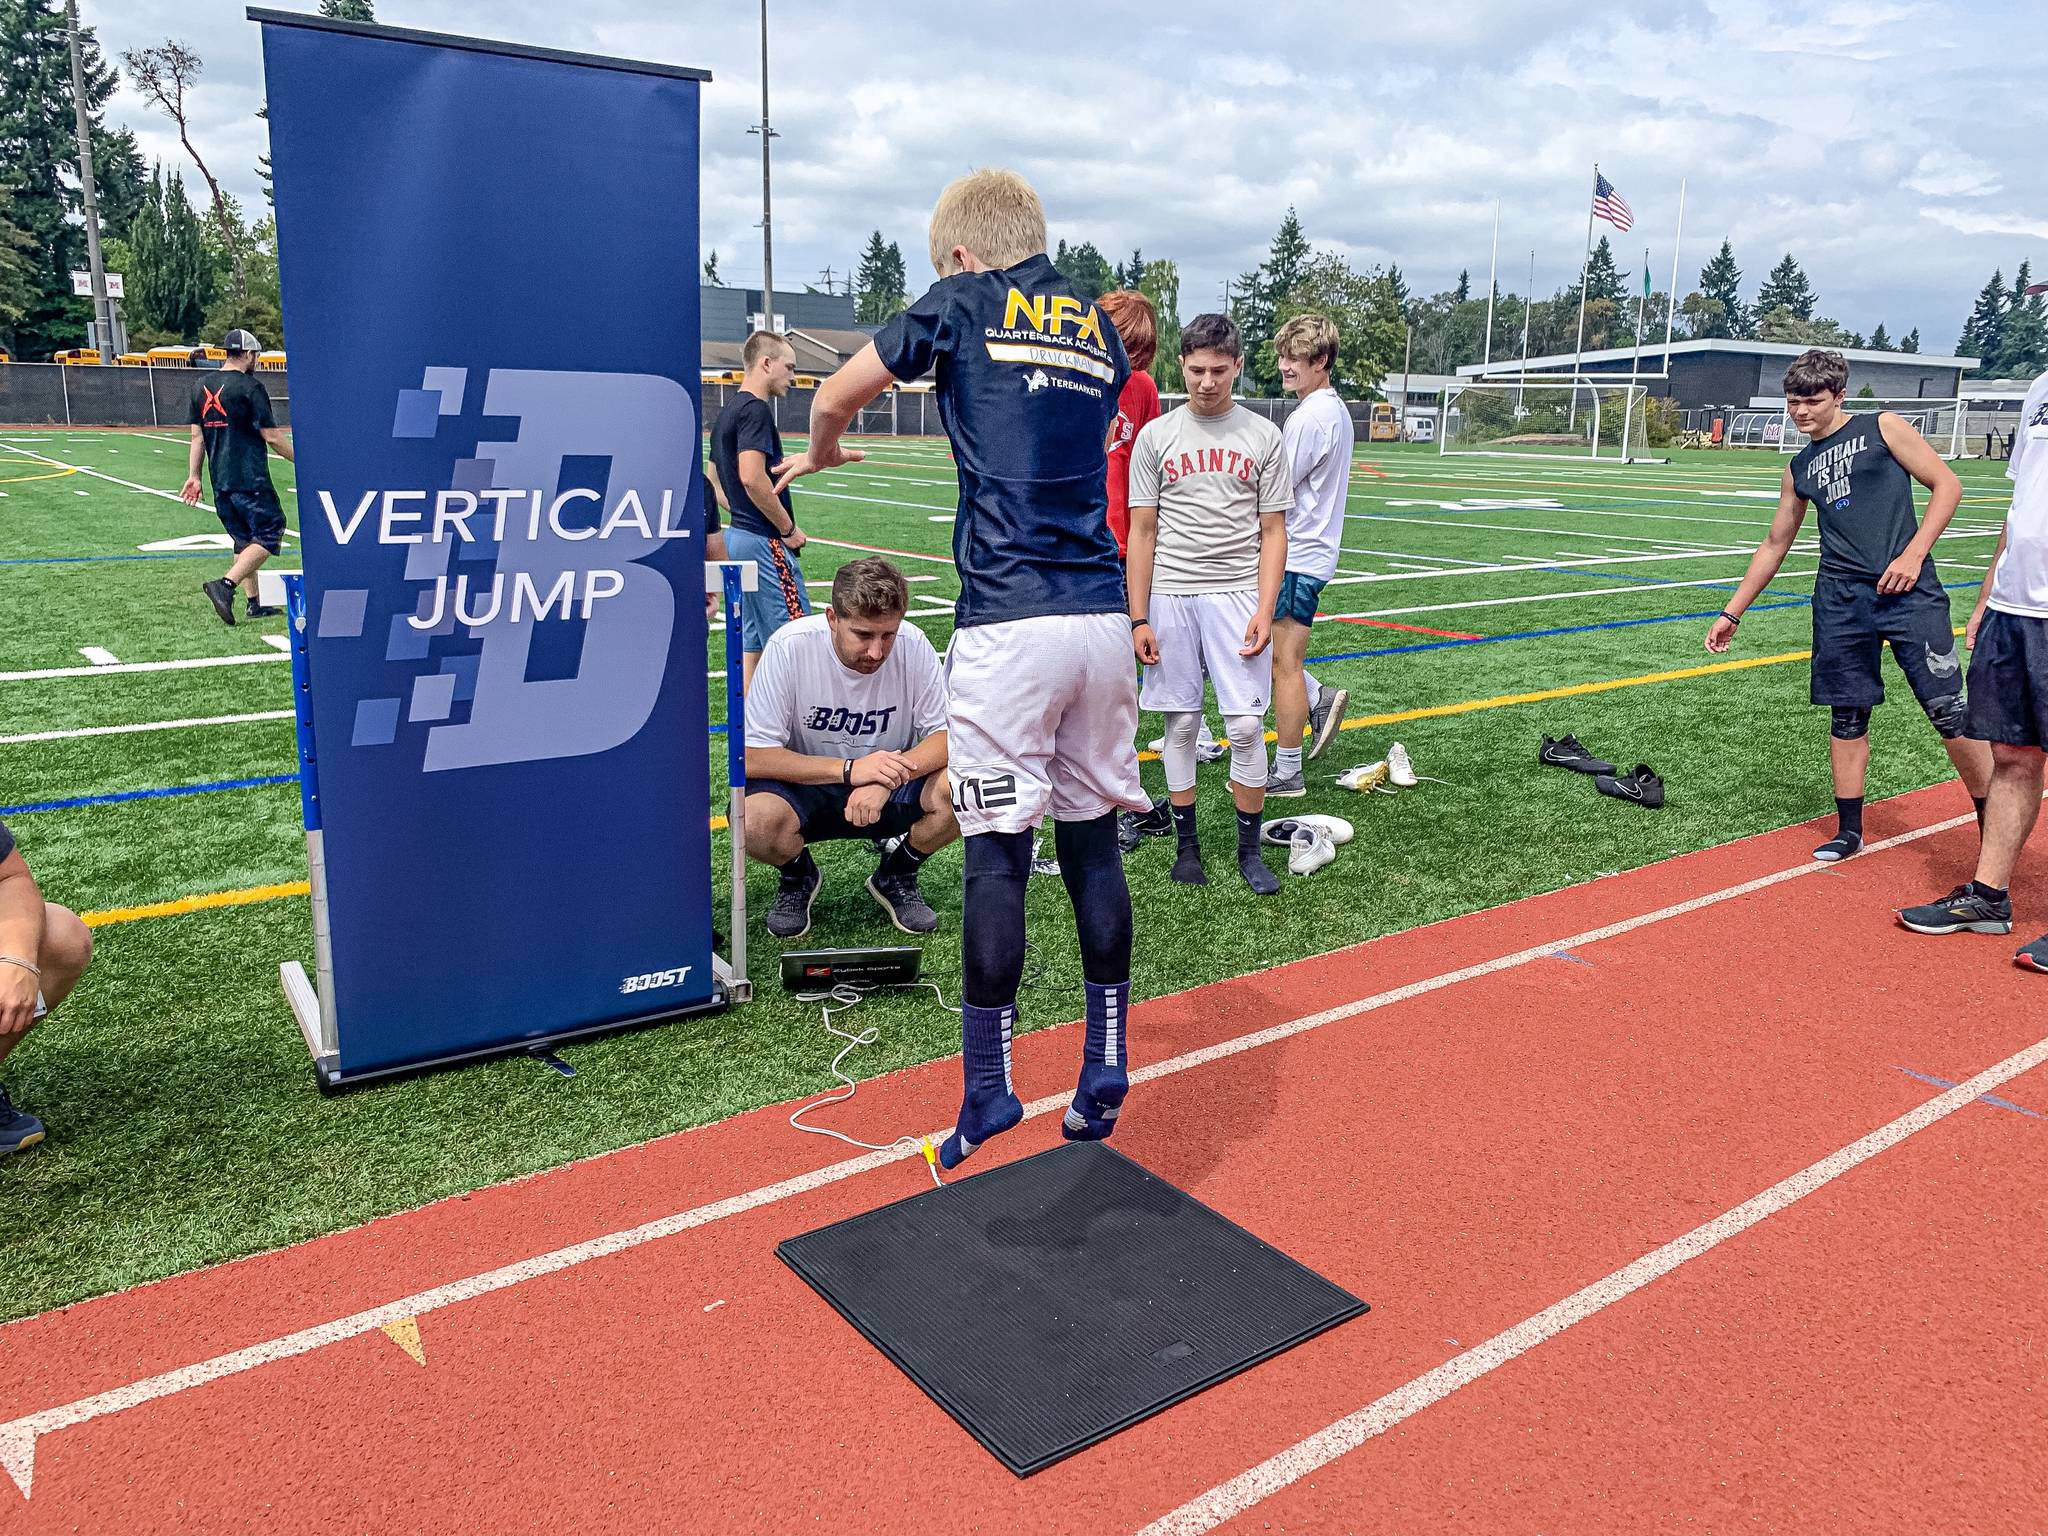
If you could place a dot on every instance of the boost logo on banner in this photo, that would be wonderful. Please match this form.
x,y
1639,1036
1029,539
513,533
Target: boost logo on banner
x,y
488,257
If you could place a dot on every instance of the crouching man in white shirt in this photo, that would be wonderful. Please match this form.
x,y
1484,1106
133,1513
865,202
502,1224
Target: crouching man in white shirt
x,y
846,738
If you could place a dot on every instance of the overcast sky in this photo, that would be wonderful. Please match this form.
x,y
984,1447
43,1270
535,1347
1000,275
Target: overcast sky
x,y
1896,148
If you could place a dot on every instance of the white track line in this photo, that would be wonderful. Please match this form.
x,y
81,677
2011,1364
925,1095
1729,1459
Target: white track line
x,y
149,725
1229,1499
18,1436
136,666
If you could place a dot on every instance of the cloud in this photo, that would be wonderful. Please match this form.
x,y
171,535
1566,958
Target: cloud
x,y
1950,173
1972,223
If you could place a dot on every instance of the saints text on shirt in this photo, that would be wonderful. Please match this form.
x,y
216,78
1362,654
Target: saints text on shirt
x,y
1207,461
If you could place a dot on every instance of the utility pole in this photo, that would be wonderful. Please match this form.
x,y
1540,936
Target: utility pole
x,y
827,276
767,205
101,313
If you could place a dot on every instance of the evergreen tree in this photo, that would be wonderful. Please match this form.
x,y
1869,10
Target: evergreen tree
x,y
38,160
1463,292
1132,272
1911,342
349,10
878,282
1984,332
1879,341
1086,268
1371,329
17,264
1399,284
1264,290
2023,341
1721,281
1787,288
172,281
711,268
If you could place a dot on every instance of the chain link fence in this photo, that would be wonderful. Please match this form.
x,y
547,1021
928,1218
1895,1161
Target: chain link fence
x,y
62,395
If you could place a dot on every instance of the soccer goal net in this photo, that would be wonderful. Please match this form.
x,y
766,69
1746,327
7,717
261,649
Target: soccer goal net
x,y
1939,419
1550,420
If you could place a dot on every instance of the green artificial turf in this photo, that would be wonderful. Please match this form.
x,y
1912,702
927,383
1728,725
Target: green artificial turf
x,y
184,1127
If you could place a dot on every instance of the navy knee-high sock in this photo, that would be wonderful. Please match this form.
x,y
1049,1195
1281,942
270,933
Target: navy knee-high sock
x,y
1094,875
991,965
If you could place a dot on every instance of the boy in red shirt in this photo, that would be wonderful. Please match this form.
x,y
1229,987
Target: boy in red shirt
x,y
1136,322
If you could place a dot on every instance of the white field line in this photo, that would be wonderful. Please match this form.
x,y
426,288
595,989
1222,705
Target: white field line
x,y
18,1436
1553,597
904,554
149,725
99,655
137,666
282,642
147,490
1305,1457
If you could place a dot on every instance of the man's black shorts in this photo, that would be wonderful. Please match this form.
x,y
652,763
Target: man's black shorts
x,y
821,809
251,517
1851,623
2009,680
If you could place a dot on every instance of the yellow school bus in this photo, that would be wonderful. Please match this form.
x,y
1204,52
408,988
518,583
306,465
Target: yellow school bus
x,y
1382,427
270,362
133,359
76,355
181,357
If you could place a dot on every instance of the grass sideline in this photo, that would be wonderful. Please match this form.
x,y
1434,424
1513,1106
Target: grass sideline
x,y
184,1125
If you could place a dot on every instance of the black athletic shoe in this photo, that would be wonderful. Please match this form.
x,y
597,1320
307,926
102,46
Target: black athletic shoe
x,y
899,896
1642,786
2034,957
790,917
1962,910
222,596
256,610
1566,752
1133,827
18,1128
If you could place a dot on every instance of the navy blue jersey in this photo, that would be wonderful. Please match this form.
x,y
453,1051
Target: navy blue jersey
x,y
1028,376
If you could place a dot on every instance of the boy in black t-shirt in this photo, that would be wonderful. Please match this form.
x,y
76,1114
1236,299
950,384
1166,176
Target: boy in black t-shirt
x,y
233,432
746,448
1876,582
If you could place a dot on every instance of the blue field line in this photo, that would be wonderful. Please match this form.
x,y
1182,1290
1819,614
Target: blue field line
x,y
148,794
1983,1098
1572,629
168,554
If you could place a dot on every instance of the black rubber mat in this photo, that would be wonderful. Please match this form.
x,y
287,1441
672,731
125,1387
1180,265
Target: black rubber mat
x,y
1051,1302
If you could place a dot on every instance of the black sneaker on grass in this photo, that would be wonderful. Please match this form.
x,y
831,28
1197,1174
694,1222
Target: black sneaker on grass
x,y
18,1128
899,896
2034,957
790,916
1642,786
1566,752
1963,910
1133,827
256,610
221,594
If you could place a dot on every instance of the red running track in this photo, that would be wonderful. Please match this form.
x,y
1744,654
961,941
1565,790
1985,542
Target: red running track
x,y
1464,1154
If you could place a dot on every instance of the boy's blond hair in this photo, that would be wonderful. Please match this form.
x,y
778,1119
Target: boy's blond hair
x,y
994,214
1313,337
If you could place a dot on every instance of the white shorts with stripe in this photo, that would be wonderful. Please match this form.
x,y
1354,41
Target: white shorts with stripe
x,y
1042,719
1202,632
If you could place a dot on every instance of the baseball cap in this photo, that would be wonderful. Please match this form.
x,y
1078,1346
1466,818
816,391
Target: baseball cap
x,y
240,341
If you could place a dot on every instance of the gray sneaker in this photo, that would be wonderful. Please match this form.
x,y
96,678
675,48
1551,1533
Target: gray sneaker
x,y
1325,720
790,916
1288,788
899,896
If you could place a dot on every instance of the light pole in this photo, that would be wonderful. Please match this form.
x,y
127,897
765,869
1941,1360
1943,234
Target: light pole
x,y
105,328
767,226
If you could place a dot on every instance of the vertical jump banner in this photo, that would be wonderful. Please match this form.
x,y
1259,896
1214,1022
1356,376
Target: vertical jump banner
x,y
489,264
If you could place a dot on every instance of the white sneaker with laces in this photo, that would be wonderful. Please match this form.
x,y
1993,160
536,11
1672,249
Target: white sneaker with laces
x,y
1279,833
1310,850
1365,778
1400,771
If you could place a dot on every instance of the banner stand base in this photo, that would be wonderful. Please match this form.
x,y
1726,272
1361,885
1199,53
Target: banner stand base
x,y
328,1073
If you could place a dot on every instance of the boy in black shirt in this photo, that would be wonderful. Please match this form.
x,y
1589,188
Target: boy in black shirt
x,y
746,448
1875,582
233,431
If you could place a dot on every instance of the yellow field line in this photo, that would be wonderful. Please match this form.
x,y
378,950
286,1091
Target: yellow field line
x,y
718,823
57,474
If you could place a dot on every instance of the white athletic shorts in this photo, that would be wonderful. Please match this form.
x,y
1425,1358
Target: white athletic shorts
x,y
1202,631
1042,717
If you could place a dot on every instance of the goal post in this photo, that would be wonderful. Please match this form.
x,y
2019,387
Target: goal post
x,y
1941,419
1553,419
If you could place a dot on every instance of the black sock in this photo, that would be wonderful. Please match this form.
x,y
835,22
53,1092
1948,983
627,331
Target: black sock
x,y
1261,879
903,859
1988,892
1978,801
1247,832
1187,861
798,869
1849,813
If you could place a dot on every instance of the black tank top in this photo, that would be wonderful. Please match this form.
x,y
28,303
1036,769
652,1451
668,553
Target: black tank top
x,y
1863,498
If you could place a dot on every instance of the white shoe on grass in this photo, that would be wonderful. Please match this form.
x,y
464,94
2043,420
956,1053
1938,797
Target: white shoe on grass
x,y
1279,833
1309,849
1400,771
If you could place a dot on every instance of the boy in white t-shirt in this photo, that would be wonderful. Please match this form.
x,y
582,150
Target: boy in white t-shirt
x,y
1208,547
846,738
2008,695
1318,440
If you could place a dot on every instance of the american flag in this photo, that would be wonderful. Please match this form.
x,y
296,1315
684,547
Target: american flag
x,y
1608,204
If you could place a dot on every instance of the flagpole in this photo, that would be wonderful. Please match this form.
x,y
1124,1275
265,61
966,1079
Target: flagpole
x,y
1528,304
1671,299
1585,265
1492,269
